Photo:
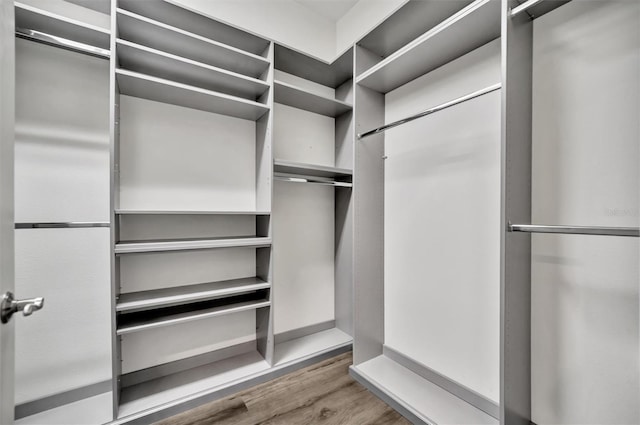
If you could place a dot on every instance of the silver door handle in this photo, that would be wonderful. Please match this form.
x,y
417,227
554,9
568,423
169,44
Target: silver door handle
x,y
10,305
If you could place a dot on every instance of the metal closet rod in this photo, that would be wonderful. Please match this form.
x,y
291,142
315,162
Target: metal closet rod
x,y
61,225
524,6
576,230
63,43
431,110
313,181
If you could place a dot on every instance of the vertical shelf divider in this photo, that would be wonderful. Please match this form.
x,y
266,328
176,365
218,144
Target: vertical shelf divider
x,y
368,246
264,194
114,204
515,248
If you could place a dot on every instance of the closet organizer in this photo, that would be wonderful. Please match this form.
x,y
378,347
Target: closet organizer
x,y
443,205
223,194
219,210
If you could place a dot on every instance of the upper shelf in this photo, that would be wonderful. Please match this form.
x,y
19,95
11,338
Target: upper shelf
x,y
298,168
157,35
470,28
32,18
297,97
154,62
160,90
407,23
196,23
538,8
133,247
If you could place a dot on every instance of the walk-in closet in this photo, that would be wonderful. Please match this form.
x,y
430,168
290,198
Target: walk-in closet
x,y
308,211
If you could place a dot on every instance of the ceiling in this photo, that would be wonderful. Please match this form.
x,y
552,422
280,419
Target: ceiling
x,y
330,9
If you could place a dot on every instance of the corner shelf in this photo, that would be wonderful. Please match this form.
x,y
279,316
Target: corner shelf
x,y
32,18
191,244
298,168
143,323
145,300
188,212
145,60
297,97
161,90
470,28
156,35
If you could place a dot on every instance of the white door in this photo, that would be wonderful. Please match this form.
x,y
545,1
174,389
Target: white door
x,y
7,105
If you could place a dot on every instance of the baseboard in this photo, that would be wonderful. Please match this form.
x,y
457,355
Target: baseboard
x,y
302,332
29,408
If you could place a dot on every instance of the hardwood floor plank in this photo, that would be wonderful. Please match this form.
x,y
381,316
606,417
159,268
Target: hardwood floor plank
x,y
323,393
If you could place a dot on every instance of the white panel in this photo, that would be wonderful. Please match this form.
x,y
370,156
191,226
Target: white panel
x,y
304,84
89,411
442,212
67,344
161,345
178,158
586,172
302,136
62,135
142,272
303,230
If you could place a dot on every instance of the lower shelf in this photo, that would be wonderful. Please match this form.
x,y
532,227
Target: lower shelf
x,y
415,397
299,348
169,395
172,388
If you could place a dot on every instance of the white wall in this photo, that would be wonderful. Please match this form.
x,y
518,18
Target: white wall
x,y
442,214
586,172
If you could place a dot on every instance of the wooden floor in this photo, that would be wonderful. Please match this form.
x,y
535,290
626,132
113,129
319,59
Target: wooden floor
x,y
323,393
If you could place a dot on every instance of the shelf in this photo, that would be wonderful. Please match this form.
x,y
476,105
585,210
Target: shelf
x,y
311,345
208,378
31,18
301,65
409,22
472,27
102,6
146,60
190,244
145,300
197,23
188,212
543,7
160,90
415,395
290,95
156,35
169,316
298,168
